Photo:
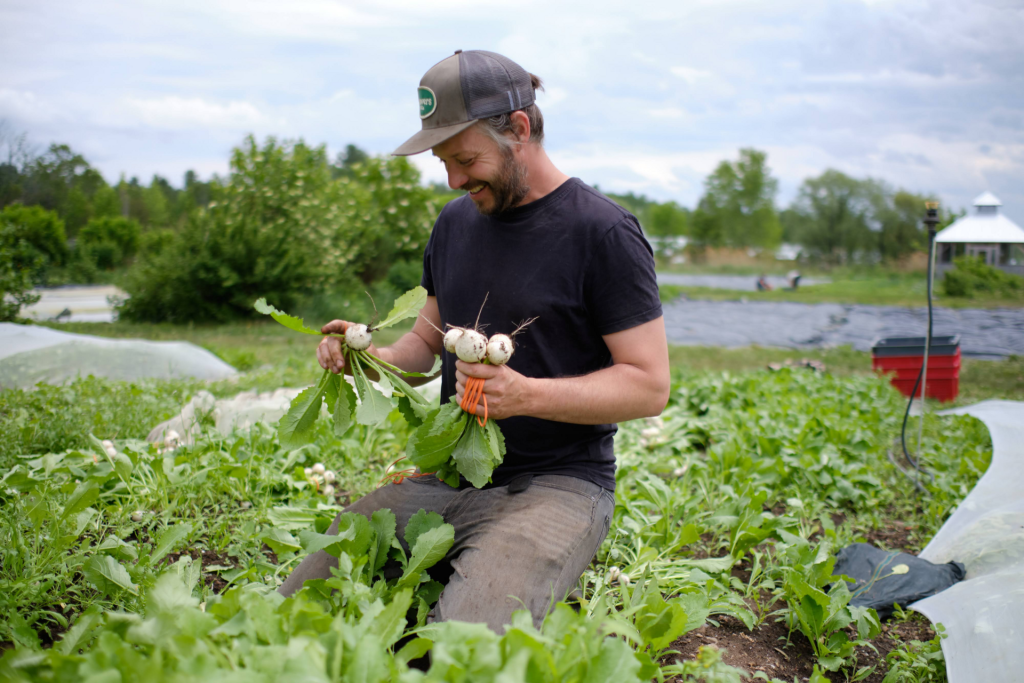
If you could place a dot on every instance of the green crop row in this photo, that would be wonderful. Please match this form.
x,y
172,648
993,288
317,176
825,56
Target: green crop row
x,y
160,562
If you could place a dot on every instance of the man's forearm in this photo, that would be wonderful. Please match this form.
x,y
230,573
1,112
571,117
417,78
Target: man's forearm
x,y
410,353
615,394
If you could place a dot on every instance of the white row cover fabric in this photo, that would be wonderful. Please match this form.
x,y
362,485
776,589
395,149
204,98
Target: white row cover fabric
x,y
80,304
241,412
30,354
984,614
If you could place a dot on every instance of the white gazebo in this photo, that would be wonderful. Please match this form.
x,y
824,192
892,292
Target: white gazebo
x,y
987,233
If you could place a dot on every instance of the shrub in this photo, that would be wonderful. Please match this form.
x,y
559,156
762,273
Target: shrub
x,y
109,242
33,229
267,232
972,275
17,262
282,228
155,241
395,219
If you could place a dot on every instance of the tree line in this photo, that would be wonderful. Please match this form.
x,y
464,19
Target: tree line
x,y
303,230
835,218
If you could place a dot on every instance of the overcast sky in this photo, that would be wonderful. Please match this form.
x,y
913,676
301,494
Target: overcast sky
x,y
641,96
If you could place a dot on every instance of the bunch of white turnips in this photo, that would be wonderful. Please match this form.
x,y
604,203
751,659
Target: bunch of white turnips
x,y
321,478
471,346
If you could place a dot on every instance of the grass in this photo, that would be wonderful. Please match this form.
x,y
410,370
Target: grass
x,y
272,356
877,286
908,291
245,345
979,379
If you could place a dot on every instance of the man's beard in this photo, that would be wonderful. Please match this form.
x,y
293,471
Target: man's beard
x,y
509,187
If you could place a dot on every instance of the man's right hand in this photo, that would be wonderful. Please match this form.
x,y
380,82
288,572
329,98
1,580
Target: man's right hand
x,y
329,352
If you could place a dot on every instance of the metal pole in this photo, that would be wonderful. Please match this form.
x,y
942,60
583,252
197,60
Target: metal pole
x,y
931,220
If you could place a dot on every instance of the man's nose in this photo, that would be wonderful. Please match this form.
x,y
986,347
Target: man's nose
x,y
456,179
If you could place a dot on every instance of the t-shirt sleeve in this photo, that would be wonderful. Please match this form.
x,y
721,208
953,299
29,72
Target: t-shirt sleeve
x,y
620,286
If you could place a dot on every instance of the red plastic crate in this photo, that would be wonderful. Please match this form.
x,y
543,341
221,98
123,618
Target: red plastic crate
x,y
942,389
943,380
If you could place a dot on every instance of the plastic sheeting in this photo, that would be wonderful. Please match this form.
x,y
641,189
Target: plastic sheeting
x,y
744,283
991,333
984,614
80,304
240,412
31,354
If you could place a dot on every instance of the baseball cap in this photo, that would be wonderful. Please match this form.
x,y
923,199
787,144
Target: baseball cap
x,y
461,89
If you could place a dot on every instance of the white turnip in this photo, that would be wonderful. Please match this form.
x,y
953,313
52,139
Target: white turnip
x,y
450,337
471,347
499,349
358,337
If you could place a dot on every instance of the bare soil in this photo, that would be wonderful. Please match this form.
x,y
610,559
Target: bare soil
x,y
776,652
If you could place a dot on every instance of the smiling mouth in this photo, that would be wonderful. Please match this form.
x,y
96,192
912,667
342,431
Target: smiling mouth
x,y
477,190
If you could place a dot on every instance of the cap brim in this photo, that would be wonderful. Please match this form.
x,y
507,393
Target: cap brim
x,y
430,137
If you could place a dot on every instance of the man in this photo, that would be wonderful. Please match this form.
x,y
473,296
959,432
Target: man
x,y
538,244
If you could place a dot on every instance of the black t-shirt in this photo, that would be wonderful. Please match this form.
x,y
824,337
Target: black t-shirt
x,y
577,262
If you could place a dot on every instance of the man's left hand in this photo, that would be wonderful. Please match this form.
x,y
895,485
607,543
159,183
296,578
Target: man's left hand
x,y
504,388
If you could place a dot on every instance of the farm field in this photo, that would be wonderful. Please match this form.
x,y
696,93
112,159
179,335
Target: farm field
x,y
160,563
877,286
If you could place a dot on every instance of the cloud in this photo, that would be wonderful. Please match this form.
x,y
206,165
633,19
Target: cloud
x,y
646,96
26,106
689,74
181,113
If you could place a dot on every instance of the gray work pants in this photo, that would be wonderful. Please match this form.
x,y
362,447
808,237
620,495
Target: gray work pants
x,y
512,550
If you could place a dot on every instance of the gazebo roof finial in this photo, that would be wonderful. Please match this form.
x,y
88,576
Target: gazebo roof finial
x,y
987,199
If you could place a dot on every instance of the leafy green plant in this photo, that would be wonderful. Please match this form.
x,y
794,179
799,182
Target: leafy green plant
x,y
916,661
707,667
972,275
451,442
88,533
821,612
374,404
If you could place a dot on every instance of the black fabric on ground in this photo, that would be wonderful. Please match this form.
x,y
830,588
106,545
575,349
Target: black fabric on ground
x,y
877,586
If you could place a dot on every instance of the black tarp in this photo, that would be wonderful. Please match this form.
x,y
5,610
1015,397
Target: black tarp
x,y
882,578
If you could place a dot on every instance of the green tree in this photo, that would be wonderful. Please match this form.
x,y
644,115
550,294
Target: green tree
x,y
666,220
155,198
109,242
268,231
105,203
40,230
831,216
347,160
396,216
280,227
900,231
738,206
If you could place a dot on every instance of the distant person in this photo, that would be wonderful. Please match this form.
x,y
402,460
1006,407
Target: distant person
x,y
763,285
793,278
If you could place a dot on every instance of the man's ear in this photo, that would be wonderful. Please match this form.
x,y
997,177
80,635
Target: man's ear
x,y
520,126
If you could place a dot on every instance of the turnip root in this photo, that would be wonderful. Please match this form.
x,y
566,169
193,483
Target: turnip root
x,y
471,347
358,337
451,337
499,349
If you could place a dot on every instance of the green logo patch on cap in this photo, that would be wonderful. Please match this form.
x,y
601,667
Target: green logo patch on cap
x,y
428,102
